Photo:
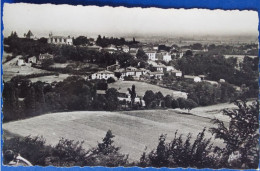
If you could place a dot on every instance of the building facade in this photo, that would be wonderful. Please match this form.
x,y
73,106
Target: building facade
x,y
60,40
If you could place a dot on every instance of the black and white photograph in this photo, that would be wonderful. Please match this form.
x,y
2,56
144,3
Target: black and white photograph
x,y
117,86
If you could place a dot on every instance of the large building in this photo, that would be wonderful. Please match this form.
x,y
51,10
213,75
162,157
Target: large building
x,y
103,75
151,55
60,40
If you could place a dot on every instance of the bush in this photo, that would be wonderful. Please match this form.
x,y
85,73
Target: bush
x,y
110,80
241,136
67,153
181,153
175,104
128,78
33,149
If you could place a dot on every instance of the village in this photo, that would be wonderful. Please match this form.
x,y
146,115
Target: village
x,y
160,61
116,86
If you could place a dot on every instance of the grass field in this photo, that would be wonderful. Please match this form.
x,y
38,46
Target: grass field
x,y
134,130
10,69
50,78
142,87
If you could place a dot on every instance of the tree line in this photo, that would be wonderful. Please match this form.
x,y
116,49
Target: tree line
x,y
22,98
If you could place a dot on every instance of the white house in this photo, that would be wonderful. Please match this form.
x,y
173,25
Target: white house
x,y
169,68
167,57
160,67
102,75
20,62
177,73
32,60
151,55
157,75
131,71
196,79
60,40
128,99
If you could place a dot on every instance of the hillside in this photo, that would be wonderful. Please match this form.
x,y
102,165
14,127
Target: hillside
x,y
134,130
142,87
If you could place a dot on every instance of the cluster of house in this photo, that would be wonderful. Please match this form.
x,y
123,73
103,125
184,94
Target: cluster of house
x,y
136,73
34,60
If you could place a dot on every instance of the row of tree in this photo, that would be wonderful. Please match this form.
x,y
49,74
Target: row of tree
x,y
21,98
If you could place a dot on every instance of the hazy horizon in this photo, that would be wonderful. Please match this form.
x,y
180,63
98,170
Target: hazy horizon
x,y
126,22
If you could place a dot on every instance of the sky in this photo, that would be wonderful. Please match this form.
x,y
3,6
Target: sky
x,y
93,20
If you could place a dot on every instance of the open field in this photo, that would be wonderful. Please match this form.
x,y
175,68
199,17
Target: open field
x,y
134,130
10,69
142,87
50,78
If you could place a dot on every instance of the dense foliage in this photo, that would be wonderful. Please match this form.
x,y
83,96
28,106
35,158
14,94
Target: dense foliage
x,y
22,98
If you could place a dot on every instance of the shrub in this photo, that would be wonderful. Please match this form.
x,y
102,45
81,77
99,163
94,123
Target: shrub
x,y
241,136
33,149
181,153
110,80
128,78
175,104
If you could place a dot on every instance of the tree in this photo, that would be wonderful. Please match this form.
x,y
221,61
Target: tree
x,y
141,55
182,103
81,40
168,101
112,99
175,104
110,80
106,147
159,97
11,107
124,59
118,75
47,62
148,98
188,53
181,152
190,104
30,103
240,136
132,94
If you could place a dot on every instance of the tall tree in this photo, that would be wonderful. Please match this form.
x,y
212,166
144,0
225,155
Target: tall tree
x,y
149,96
241,136
132,94
112,99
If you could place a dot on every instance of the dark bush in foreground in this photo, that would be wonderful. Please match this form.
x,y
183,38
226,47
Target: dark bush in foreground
x,y
181,152
67,153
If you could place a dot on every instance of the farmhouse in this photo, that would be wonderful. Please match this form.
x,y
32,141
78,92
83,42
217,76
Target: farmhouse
x,y
167,57
196,79
131,71
20,62
43,57
60,40
113,67
169,68
151,55
160,67
157,75
32,60
176,73
102,75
